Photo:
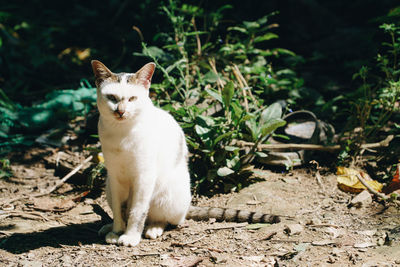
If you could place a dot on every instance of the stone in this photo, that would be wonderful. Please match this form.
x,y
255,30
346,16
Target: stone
x,y
293,229
362,199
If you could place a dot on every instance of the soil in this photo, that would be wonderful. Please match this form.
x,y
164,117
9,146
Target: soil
x,y
318,225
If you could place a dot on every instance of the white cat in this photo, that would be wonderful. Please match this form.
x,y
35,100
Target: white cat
x,y
145,155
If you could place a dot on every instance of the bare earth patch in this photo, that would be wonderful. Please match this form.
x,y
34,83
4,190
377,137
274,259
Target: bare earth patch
x,y
318,226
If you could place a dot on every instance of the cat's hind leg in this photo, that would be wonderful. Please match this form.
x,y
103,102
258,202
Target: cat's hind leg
x,y
105,229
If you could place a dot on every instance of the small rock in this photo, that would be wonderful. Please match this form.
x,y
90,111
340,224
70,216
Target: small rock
x,y
380,241
88,201
331,259
362,199
367,232
293,229
323,242
364,245
314,221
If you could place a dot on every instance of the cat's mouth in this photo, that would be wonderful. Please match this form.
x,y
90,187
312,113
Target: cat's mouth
x,y
118,118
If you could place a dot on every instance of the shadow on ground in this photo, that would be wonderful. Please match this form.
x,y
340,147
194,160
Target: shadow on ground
x,y
71,235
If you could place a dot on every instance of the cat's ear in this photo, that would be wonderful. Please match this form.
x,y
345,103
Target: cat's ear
x,y
100,70
144,75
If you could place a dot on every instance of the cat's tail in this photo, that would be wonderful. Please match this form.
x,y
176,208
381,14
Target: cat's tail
x,y
230,215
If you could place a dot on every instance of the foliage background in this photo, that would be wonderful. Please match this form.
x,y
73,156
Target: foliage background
x,y
43,42
46,46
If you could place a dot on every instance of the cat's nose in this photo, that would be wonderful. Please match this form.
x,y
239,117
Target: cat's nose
x,y
120,112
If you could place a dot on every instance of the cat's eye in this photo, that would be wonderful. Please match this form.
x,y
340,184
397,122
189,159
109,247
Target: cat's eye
x,y
112,98
132,98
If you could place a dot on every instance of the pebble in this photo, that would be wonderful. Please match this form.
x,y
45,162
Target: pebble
x,y
293,229
362,199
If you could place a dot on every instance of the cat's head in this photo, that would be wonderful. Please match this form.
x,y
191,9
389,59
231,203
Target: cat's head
x,y
121,96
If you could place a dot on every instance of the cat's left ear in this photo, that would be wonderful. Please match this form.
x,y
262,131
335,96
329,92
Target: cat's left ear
x,y
144,75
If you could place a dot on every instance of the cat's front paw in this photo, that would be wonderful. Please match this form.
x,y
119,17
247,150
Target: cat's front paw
x,y
112,238
130,240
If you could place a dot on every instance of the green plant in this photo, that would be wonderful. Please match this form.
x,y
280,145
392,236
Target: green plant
x,y
208,87
377,98
379,93
5,169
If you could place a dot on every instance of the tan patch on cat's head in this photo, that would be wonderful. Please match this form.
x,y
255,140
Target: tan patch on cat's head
x,y
103,74
143,76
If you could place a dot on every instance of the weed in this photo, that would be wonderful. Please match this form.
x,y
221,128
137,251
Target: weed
x,y
209,87
376,100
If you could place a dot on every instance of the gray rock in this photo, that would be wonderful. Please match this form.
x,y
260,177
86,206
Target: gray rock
x,y
362,199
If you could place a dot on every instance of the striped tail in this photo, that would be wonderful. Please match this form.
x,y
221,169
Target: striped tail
x,y
230,215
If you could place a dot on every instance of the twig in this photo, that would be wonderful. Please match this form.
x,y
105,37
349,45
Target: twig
x,y
57,185
194,246
194,241
145,254
370,189
335,148
235,72
220,82
246,86
268,236
286,241
139,32
322,225
317,174
27,215
197,37
236,225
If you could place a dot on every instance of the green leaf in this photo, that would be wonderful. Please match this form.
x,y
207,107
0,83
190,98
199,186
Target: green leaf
x,y
211,77
239,29
214,94
265,37
192,144
251,24
205,120
233,163
271,126
227,94
231,148
224,171
285,51
201,131
261,154
274,111
195,33
154,52
222,136
252,127
256,226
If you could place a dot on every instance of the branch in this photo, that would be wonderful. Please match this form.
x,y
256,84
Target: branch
x,y
333,149
370,189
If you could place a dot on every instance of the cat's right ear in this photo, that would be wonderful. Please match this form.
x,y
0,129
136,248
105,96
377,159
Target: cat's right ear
x,y
100,70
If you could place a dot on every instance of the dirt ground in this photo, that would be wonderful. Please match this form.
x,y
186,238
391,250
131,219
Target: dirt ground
x,y
318,227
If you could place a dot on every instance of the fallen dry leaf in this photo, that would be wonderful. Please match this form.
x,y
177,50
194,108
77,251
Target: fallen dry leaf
x,y
395,183
348,181
53,204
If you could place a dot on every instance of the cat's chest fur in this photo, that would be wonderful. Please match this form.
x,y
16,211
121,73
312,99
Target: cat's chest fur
x,y
126,148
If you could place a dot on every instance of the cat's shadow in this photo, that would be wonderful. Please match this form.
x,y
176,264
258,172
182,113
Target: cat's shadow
x,y
70,235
